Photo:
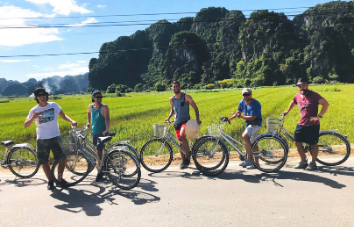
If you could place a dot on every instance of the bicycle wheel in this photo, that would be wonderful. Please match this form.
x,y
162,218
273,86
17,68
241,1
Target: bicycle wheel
x,y
211,156
156,155
123,169
269,154
22,162
334,148
76,168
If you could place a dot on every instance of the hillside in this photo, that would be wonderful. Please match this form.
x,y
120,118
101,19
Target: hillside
x,y
265,49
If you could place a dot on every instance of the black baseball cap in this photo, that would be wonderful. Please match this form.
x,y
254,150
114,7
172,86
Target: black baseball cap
x,y
39,90
95,93
302,81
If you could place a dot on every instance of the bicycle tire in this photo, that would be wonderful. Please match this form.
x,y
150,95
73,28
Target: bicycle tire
x,y
26,156
74,164
118,161
154,146
342,148
276,155
203,150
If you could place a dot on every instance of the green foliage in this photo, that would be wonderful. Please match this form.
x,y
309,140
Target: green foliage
x,y
209,86
122,88
139,87
318,80
4,100
111,88
160,86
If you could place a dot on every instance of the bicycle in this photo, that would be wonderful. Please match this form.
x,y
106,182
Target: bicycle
x,y
332,145
121,166
157,154
19,157
277,151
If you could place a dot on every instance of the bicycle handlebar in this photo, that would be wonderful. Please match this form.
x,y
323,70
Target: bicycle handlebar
x,y
223,119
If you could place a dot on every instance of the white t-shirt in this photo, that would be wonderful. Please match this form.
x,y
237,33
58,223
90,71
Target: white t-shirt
x,y
47,124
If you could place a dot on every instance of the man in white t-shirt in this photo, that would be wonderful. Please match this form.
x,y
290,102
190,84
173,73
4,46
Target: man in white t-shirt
x,y
45,117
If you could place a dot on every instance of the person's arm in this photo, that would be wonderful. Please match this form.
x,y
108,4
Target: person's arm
x,y
172,111
89,115
67,118
105,114
191,102
292,104
31,118
323,102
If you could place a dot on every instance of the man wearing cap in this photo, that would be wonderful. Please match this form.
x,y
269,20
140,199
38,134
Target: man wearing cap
x,y
180,107
45,117
251,110
98,115
307,130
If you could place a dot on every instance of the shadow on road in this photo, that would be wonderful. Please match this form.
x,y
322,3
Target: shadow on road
x,y
24,182
88,201
337,170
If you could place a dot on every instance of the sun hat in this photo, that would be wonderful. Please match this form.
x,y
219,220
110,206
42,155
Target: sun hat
x,y
39,90
192,129
302,81
246,90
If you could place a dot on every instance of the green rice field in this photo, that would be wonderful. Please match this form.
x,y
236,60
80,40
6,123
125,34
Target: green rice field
x,y
132,117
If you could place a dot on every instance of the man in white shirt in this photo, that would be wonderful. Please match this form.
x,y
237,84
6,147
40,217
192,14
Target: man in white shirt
x,y
45,117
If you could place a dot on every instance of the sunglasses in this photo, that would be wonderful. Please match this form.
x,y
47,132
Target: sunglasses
x,y
98,97
246,94
41,94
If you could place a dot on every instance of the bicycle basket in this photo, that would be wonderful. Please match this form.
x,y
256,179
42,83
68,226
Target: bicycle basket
x,y
68,143
159,130
215,130
272,125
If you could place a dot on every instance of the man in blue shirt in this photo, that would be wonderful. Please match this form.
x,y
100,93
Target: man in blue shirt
x,y
251,110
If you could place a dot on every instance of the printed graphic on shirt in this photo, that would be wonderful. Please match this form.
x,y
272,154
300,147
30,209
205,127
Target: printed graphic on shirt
x,y
47,115
304,105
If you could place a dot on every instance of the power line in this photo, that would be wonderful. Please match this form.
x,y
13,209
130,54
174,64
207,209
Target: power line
x,y
120,23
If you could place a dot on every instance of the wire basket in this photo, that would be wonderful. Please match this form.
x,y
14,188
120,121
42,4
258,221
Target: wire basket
x,y
159,130
272,125
215,129
68,143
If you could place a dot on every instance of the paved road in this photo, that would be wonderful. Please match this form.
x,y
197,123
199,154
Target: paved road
x,y
176,197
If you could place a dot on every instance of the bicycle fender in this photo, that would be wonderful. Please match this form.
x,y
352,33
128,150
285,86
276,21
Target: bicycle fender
x,y
21,145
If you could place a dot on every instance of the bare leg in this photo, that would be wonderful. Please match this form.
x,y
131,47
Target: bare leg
x,y
256,148
301,151
61,168
248,146
184,143
46,170
99,155
314,150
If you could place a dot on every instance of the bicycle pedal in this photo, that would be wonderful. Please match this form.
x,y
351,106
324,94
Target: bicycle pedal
x,y
4,166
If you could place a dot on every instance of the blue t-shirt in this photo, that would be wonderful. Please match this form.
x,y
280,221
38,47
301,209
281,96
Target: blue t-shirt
x,y
254,109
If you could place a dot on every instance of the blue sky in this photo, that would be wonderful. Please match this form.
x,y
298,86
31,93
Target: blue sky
x,y
75,39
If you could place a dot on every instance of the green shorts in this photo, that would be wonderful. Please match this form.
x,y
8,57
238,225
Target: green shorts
x,y
44,147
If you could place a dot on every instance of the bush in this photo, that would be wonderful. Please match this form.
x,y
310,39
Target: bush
x,y
209,86
139,87
55,97
227,83
111,88
160,86
119,94
318,80
4,100
122,88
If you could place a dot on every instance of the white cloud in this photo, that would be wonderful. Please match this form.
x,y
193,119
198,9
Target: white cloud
x,y
18,37
48,68
14,61
69,30
68,66
64,7
101,6
36,66
83,61
88,21
72,72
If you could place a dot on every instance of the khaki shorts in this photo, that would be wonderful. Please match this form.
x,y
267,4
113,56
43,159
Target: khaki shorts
x,y
252,131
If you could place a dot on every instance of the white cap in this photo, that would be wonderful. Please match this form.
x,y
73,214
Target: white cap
x,y
246,90
192,129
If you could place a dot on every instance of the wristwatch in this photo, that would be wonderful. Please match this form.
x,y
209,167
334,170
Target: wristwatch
x,y
319,116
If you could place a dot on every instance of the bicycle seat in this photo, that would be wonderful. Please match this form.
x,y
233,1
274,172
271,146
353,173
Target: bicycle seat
x,y
104,139
7,143
113,134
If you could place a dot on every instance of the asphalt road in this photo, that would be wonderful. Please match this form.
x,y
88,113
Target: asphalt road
x,y
237,197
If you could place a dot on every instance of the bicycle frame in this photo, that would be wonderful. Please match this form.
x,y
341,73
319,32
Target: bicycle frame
x,y
229,140
8,149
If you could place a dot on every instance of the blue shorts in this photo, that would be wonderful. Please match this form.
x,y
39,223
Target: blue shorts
x,y
307,134
99,146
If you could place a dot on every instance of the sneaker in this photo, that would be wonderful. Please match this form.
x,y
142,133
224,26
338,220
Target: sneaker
x,y
99,176
184,164
63,184
50,185
302,165
246,163
251,167
312,166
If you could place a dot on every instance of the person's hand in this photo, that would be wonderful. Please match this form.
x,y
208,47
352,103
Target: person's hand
x,y
199,122
285,113
88,125
74,123
227,119
105,133
167,119
317,118
36,115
